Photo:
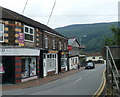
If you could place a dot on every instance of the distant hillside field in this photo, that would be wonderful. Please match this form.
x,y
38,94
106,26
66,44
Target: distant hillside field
x,y
91,35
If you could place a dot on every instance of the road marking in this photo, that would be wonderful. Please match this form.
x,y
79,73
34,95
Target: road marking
x,y
102,85
77,80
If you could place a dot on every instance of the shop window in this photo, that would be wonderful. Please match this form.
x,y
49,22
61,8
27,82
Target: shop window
x,y
29,33
55,56
51,62
1,33
64,60
28,66
48,56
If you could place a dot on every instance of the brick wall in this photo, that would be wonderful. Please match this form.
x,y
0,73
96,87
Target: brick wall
x,y
18,69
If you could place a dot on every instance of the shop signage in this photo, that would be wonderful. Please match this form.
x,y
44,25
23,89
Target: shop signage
x,y
69,47
62,53
19,52
21,39
53,52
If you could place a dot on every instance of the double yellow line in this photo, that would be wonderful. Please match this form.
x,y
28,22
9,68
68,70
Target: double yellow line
x,y
102,86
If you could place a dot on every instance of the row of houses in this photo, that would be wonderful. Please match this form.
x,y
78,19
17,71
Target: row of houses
x,y
31,50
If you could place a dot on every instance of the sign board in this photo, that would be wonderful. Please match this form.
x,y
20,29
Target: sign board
x,y
69,47
54,52
19,52
21,39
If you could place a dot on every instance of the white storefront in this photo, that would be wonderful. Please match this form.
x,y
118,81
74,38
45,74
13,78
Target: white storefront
x,y
50,63
74,62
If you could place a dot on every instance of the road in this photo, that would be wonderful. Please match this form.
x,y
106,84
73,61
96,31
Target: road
x,y
85,82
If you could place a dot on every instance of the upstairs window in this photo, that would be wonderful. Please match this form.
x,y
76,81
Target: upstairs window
x,y
46,42
29,33
53,43
60,45
1,33
65,45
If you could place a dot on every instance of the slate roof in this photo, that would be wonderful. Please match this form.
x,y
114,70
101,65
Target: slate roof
x,y
7,14
72,40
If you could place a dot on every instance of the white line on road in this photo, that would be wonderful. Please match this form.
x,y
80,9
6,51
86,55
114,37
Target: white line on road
x,y
77,80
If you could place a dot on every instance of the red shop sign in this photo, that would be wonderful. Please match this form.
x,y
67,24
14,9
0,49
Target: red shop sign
x,y
69,47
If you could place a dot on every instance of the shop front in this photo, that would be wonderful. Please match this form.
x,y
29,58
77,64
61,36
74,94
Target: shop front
x,y
74,62
50,63
28,68
20,64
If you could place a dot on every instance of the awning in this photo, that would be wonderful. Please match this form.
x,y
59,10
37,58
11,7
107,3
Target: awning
x,y
19,52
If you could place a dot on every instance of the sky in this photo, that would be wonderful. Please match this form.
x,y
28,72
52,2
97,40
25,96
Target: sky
x,y
66,12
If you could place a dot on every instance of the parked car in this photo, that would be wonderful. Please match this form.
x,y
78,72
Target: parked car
x,y
90,65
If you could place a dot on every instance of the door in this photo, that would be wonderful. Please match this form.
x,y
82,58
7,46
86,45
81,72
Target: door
x,y
9,67
44,65
56,64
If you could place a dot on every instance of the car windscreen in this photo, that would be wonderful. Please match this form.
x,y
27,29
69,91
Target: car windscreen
x,y
90,64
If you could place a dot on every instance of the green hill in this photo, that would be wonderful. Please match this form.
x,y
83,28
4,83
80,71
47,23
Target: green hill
x,y
95,34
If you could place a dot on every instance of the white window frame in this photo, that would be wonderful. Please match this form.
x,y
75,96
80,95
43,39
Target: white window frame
x,y
51,59
53,43
46,41
29,32
2,32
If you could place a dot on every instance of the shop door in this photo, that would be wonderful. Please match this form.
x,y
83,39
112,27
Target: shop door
x,y
9,67
44,65
56,64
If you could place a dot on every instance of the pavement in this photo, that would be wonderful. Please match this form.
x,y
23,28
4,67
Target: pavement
x,y
39,81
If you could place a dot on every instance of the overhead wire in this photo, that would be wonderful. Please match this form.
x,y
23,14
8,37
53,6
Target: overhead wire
x,y
25,6
51,12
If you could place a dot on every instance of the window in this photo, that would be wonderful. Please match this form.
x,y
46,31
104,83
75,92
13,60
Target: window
x,y
29,33
60,46
53,43
28,67
65,45
46,42
51,62
64,60
1,33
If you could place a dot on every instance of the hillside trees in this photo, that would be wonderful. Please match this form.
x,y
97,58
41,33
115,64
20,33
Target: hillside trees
x,y
115,39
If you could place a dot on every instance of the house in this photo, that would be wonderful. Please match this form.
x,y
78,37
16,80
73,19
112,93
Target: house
x,y
95,57
28,49
74,52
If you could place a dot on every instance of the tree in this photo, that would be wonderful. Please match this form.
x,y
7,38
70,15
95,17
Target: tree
x,y
115,39
116,35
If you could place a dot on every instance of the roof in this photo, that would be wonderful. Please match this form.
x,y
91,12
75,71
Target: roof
x,y
73,42
10,15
